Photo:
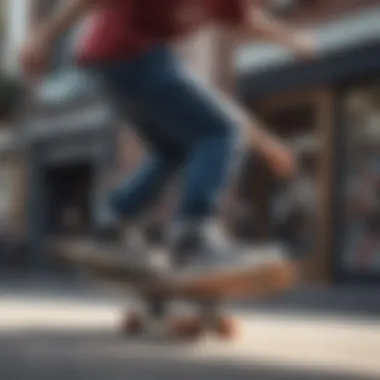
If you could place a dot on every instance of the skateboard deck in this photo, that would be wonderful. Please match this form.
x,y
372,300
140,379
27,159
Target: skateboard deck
x,y
270,273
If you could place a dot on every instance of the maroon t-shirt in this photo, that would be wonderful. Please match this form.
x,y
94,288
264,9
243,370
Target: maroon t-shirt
x,y
109,33
123,28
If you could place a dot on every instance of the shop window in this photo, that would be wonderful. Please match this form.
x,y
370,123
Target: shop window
x,y
361,248
286,209
69,199
64,83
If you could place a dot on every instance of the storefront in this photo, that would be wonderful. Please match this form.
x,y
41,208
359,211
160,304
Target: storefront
x,y
12,178
359,182
69,143
13,200
327,100
305,120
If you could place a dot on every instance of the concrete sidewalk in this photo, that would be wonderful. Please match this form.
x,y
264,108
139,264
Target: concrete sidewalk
x,y
51,332
354,301
351,301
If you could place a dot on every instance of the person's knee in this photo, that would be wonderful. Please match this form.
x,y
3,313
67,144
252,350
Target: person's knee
x,y
226,145
134,194
224,132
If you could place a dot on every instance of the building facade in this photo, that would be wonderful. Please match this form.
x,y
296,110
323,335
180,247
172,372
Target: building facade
x,y
12,160
333,100
72,140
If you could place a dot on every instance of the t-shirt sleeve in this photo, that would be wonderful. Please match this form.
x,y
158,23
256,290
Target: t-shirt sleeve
x,y
230,12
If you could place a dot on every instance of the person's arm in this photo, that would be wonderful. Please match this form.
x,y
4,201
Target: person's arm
x,y
35,52
260,24
273,149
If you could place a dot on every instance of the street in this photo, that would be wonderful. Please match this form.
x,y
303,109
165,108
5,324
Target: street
x,y
54,335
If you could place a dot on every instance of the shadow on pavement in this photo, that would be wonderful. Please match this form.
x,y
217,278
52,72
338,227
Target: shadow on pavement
x,y
94,354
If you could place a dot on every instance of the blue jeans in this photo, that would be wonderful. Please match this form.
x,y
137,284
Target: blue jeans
x,y
187,131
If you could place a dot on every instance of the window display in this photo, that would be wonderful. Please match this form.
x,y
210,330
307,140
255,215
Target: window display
x,y
361,251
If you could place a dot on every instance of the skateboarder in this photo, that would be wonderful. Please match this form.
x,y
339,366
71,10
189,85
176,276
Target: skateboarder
x,y
189,128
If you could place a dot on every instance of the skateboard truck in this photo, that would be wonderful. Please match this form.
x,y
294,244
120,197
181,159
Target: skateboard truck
x,y
207,292
209,318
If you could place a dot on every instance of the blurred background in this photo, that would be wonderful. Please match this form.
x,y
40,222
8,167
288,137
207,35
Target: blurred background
x,y
55,160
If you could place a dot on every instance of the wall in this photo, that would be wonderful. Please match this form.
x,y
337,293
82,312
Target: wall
x,y
16,29
319,11
13,14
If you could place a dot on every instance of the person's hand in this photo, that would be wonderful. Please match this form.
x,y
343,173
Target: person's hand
x,y
281,159
35,54
304,46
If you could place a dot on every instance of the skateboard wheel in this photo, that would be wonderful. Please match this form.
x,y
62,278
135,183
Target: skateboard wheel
x,y
187,328
132,324
226,328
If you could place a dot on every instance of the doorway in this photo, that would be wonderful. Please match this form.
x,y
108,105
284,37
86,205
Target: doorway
x,y
68,199
306,120
296,125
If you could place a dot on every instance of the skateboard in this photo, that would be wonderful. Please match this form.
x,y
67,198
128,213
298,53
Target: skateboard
x,y
205,292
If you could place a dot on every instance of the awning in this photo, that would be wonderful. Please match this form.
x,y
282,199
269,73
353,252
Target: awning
x,y
360,28
66,88
93,118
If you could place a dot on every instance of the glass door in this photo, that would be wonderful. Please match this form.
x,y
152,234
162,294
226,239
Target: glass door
x,y
298,210
360,246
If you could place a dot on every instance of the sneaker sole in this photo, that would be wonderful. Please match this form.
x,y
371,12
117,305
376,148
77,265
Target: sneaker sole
x,y
255,280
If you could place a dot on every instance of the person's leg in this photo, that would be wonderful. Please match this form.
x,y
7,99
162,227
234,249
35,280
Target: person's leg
x,y
131,199
204,123
138,192
185,115
198,122
206,175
